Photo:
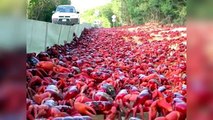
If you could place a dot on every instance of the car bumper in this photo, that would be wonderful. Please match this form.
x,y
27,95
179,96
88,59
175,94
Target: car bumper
x,y
67,21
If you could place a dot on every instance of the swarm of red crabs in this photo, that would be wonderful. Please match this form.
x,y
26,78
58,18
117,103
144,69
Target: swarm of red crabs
x,y
120,73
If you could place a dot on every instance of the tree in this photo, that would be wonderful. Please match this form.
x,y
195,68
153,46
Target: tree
x,y
42,9
64,2
134,12
140,11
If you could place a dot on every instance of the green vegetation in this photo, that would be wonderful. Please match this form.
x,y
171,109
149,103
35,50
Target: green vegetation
x,y
42,9
128,12
104,15
134,12
200,10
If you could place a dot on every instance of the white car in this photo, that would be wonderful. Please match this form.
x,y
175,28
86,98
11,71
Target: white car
x,y
66,14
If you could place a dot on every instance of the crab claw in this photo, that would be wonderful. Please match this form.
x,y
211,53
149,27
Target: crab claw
x,y
84,109
164,104
131,97
60,69
71,93
38,98
174,115
46,65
